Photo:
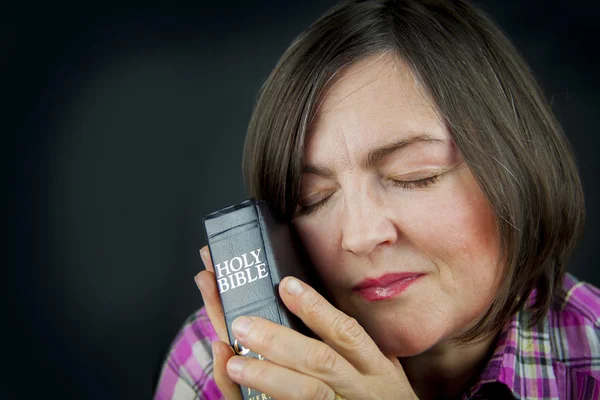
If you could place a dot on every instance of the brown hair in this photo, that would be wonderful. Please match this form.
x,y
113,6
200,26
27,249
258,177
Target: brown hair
x,y
493,108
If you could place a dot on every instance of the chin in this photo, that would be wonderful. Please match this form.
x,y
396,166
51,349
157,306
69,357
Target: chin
x,y
405,345
402,339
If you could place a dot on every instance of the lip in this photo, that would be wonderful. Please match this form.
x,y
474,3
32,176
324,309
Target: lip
x,y
386,286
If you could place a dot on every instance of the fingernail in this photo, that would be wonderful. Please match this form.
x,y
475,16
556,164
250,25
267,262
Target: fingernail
x,y
235,365
241,325
203,255
293,286
197,280
215,351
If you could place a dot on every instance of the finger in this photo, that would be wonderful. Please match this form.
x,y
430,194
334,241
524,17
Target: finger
x,y
210,293
293,350
343,333
205,280
206,258
222,352
277,381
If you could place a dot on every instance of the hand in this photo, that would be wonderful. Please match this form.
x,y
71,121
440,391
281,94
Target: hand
x,y
222,351
346,362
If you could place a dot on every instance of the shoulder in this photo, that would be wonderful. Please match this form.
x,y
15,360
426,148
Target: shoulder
x,y
193,344
187,370
581,299
574,322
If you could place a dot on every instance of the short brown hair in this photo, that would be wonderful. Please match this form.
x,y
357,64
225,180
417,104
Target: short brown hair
x,y
491,104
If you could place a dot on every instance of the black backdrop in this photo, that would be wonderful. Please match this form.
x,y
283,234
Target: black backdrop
x,y
128,123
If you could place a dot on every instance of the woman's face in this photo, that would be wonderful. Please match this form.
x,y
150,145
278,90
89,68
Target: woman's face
x,y
385,191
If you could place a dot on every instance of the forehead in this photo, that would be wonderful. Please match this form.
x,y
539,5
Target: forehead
x,y
373,102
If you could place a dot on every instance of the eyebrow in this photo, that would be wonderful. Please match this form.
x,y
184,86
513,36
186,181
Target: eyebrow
x,y
375,156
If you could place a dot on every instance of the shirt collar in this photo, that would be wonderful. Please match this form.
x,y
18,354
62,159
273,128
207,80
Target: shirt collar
x,y
521,360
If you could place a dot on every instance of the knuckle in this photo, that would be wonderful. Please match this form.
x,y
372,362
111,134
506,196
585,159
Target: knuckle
x,y
259,371
219,314
316,392
313,306
262,335
348,331
322,358
261,374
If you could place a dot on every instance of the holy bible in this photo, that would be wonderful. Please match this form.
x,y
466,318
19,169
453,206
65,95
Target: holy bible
x,y
252,248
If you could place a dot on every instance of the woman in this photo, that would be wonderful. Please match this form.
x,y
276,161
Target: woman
x,y
438,199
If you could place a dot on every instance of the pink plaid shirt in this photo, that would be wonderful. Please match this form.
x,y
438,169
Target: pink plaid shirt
x,y
559,360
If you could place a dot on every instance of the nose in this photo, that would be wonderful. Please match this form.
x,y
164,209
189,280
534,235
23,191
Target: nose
x,y
365,224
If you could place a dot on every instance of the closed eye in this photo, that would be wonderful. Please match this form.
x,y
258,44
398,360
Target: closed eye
x,y
302,210
310,208
419,183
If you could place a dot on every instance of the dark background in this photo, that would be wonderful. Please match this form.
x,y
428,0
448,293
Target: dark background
x,y
128,124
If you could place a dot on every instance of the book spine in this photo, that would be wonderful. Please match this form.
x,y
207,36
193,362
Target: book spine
x,y
244,275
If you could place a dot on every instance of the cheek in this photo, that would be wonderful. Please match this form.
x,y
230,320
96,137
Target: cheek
x,y
471,222
318,239
460,235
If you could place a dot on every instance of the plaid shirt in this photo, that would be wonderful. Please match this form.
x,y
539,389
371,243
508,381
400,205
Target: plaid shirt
x,y
559,360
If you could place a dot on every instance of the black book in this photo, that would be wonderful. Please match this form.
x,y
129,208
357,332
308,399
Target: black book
x,y
252,249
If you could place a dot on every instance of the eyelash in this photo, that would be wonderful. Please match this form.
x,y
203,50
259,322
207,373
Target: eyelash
x,y
419,183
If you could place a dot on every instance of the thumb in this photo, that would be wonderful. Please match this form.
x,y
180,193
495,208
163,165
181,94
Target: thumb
x,y
222,352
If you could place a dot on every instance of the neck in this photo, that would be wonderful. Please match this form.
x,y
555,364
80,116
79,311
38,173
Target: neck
x,y
447,370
